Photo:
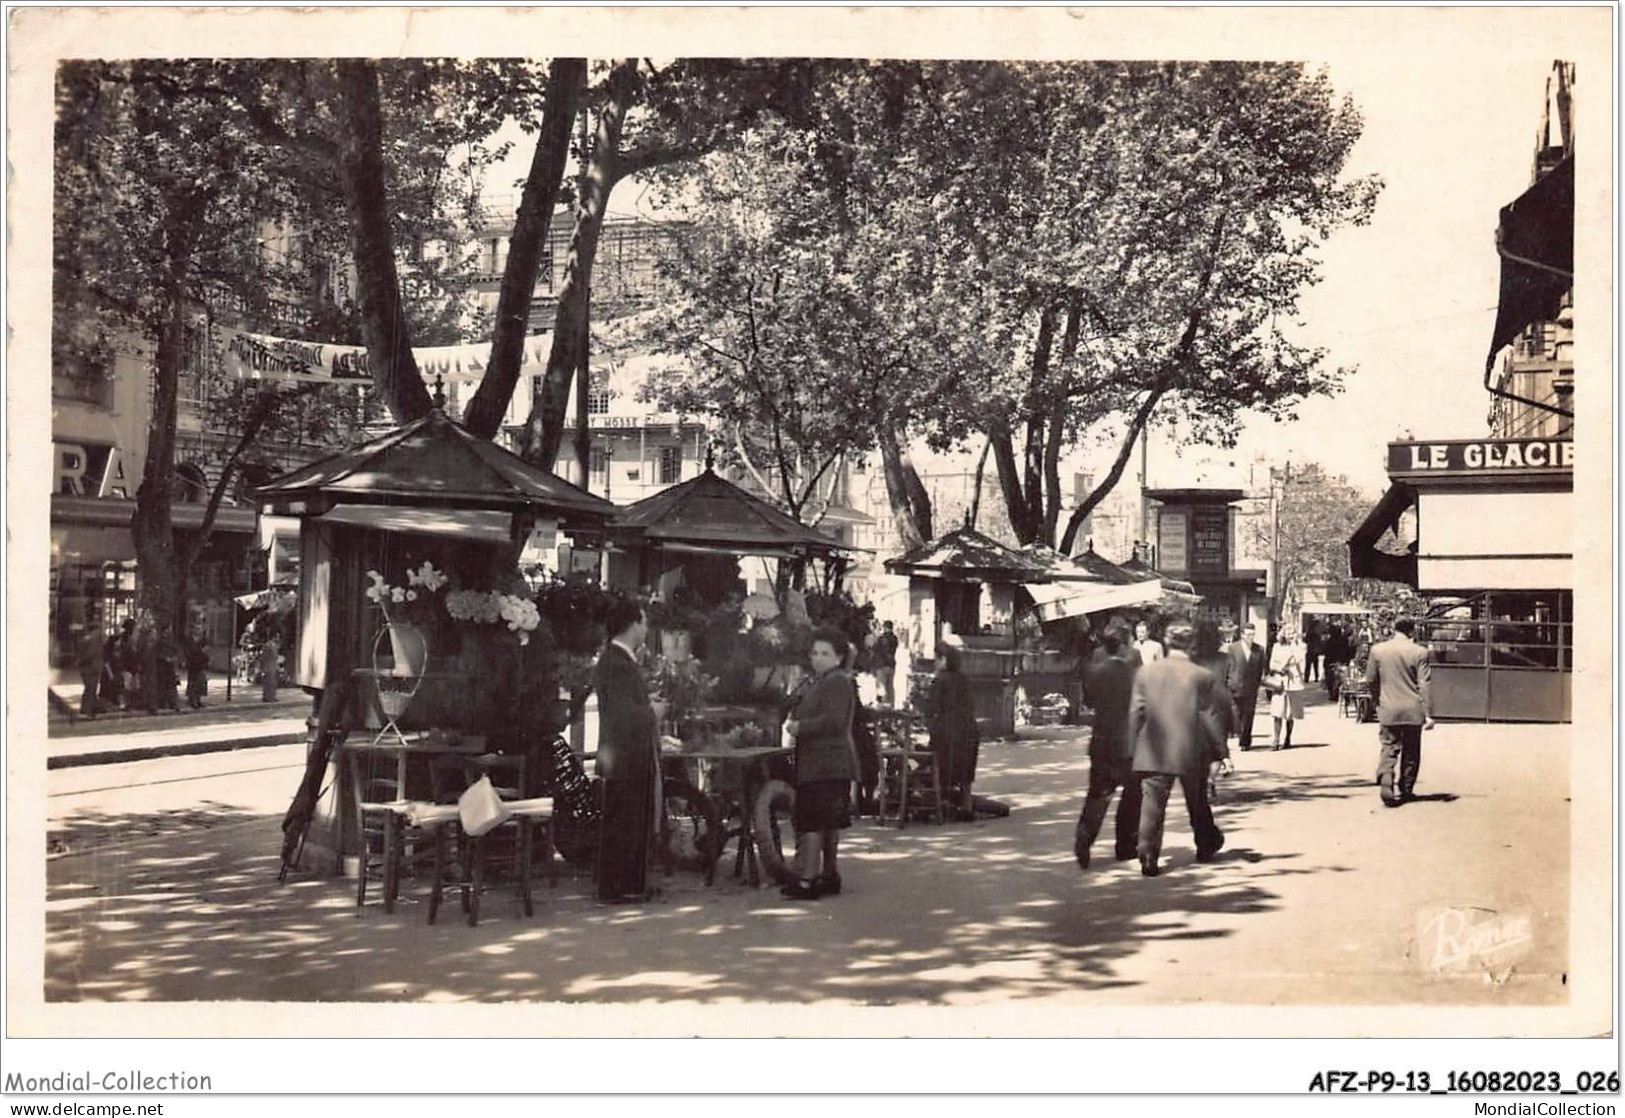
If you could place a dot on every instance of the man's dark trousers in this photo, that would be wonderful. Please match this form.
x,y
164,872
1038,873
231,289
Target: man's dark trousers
x,y
1401,746
1106,777
1247,707
1155,789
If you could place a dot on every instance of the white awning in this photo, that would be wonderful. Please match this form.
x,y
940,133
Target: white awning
x,y
474,525
1056,600
1342,608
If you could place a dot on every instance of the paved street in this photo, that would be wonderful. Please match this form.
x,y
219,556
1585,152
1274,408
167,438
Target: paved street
x,y
1321,896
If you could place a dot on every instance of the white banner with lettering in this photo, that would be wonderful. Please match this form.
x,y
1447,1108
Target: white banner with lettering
x,y
262,357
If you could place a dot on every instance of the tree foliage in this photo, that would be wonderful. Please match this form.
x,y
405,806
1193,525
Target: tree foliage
x,y
174,181
1033,253
1316,514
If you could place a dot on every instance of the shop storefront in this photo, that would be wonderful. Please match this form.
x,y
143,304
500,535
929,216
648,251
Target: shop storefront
x,y
93,570
1494,554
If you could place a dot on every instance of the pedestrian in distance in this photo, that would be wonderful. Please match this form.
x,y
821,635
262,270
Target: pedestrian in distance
x,y
1175,724
1285,684
195,651
1314,647
167,657
1399,675
885,664
825,767
113,693
1246,671
628,759
1109,685
1146,645
91,664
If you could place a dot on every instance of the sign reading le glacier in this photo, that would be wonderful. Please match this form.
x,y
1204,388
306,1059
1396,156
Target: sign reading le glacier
x,y
1481,456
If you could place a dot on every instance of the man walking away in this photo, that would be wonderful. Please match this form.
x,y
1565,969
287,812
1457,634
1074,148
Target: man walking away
x,y
1400,678
1177,731
885,653
1246,670
1109,683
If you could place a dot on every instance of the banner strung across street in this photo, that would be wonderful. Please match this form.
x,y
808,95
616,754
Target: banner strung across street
x,y
262,357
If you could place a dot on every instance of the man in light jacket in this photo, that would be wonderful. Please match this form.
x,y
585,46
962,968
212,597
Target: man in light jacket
x,y
1177,730
1400,678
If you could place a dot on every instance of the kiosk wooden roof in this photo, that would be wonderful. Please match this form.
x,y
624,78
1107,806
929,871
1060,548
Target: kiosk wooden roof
x,y
423,471
708,513
966,554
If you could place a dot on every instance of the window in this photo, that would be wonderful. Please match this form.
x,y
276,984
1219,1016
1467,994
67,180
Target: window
x,y
598,396
671,465
598,461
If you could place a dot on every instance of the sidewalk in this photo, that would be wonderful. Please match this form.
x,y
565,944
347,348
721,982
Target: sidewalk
x,y
1320,897
118,736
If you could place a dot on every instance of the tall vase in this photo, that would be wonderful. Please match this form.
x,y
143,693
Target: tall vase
x,y
410,649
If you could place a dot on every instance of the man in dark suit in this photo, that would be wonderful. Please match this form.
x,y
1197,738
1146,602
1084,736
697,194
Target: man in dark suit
x,y
1177,731
1108,683
1400,678
1246,670
627,758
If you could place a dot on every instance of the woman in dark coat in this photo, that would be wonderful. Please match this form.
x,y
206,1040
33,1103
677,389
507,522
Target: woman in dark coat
x,y
955,738
826,765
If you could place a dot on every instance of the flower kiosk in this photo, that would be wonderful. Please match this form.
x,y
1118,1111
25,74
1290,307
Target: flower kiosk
x,y
727,663
421,641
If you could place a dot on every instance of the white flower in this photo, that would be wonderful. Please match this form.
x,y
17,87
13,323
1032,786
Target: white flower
x,y
411,595
427,577
396,594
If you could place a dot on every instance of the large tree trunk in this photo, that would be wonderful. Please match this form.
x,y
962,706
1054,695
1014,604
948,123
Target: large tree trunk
x,y
1025,519
566,79
544,431
910,503
390,363
1055,432
1109,482
976,487
152,527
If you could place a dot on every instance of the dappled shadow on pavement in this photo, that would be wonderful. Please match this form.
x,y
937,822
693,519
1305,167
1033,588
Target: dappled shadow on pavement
x,y
88,830
995,910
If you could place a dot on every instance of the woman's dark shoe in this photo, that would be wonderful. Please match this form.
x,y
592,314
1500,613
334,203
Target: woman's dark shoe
x,y
801,890
829,885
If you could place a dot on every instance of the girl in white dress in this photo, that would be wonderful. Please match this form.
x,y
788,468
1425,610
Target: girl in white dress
x,y
1287,660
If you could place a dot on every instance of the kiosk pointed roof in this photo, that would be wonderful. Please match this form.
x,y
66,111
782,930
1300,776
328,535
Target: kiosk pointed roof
x,y
967,553
431,462
712,512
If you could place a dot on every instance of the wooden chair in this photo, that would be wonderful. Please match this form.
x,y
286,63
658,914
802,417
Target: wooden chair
x,y
376,800
451,776
909,784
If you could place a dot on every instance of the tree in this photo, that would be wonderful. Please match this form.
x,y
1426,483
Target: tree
x,y
171,179
646,119
153,191
1132,234
760,310
1315,515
